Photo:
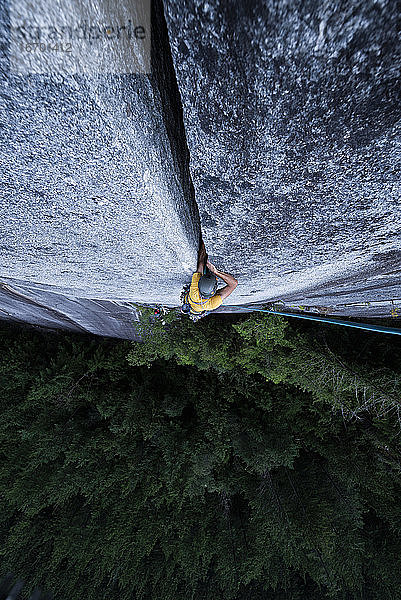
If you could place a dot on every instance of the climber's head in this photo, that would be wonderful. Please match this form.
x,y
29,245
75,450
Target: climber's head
x,y
207,284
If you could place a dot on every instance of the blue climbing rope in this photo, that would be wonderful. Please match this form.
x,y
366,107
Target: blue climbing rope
x,y
353,324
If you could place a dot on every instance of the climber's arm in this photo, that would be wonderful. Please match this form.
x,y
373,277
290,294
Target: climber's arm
x,y
201,257
230,280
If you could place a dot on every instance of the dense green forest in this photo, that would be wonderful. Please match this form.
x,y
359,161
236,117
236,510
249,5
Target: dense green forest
x,y
233,458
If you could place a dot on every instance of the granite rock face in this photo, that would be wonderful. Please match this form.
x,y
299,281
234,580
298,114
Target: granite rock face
x,y
274,126
41,306
96,198
292,117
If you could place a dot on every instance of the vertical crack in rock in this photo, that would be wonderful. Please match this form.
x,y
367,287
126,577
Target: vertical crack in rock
x,y
164,82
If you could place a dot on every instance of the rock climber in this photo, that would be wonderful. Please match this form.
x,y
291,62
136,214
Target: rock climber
x,y
203,295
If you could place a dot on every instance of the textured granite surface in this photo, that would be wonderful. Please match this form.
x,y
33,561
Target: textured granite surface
x,y
96,197
292,117
40,306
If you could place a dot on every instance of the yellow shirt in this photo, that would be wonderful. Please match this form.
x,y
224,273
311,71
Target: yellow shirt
x,y
198,303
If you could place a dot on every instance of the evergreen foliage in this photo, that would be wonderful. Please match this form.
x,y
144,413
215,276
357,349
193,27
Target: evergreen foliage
x,y
228,459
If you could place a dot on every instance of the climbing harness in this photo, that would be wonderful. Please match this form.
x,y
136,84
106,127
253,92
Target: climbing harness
x,y
366,326
186,307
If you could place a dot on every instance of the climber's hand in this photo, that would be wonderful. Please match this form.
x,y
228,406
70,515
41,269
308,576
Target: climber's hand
x,y
211,267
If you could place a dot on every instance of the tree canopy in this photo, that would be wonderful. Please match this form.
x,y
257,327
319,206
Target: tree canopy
x,y
234,458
